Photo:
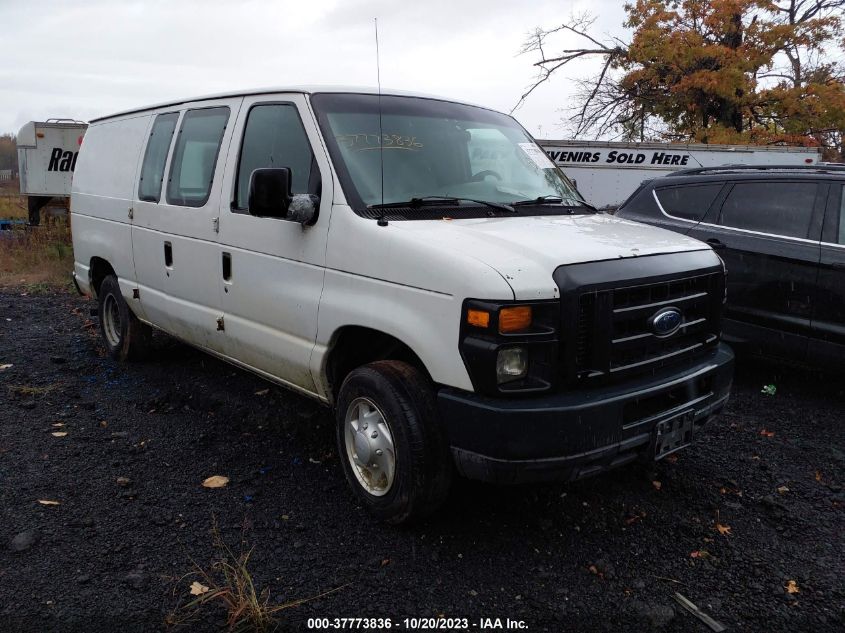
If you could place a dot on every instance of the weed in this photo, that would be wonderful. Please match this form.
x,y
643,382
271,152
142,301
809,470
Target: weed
x,y
30,391
40,257
228,583
13,206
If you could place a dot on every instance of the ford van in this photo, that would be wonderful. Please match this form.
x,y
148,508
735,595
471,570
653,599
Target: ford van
x,y
417,264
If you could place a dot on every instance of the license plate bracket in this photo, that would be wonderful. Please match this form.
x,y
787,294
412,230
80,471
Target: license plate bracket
x,y
673,434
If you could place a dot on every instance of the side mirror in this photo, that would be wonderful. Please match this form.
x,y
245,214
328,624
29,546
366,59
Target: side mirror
x,y
270,197
269,192
303,208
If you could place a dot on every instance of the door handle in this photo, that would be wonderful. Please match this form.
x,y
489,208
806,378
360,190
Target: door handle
x,y
168,255
227,267
716,245
838,265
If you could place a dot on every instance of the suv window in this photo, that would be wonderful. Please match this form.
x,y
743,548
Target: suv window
x,y
152,170
781,208
639,202
274,137
195,156
689,202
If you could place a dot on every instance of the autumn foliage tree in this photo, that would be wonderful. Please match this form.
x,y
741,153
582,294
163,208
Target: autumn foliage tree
x,y
730,71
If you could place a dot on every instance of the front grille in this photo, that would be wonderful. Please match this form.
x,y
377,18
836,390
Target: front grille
x,y
613,334
585,329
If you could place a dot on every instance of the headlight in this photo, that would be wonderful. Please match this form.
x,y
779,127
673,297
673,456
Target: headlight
x,y
510,347
511,364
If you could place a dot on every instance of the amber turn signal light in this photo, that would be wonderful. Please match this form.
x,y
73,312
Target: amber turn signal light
x,y
478,318
514,319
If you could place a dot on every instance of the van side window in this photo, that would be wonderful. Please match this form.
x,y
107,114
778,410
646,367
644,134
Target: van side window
x,y
152,170
195,156
780,208
688,202
274,137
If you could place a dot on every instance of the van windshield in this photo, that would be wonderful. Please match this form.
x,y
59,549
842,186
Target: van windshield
x,y
432,149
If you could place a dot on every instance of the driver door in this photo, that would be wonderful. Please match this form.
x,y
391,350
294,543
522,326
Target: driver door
x,y
271,270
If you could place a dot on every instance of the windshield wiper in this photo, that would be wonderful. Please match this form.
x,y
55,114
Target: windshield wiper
x,y
538,200
552,200
434,200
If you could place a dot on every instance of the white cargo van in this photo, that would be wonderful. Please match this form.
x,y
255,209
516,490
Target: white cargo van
x,y
417,264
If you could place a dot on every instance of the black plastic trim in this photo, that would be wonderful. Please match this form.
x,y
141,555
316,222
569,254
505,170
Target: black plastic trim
x,y
647,269
571,435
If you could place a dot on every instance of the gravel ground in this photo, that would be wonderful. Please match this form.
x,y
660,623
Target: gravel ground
x,y
601,555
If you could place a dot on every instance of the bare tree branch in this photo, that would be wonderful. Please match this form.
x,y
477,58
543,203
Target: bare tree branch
x,y
577,25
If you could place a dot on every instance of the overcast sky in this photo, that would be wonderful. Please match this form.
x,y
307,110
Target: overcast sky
x,y
86,58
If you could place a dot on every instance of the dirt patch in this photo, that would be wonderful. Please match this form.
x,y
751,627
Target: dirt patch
x,y
747,524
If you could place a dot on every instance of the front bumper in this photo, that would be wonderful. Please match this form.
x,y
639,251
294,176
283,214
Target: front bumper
x,y
577,434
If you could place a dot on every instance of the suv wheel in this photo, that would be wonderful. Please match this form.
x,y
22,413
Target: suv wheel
x,y
393,451
124,335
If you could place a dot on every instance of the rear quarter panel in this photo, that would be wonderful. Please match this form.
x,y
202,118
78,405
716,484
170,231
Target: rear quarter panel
x,y
103,187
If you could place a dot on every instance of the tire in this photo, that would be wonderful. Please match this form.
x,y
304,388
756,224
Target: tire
x,y
393,397
125,337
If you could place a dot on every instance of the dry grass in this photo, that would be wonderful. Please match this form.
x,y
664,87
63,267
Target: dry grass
x,y
29,391
12,205
37,258
228,583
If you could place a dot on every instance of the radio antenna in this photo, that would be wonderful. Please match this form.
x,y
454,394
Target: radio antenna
x,y
381,221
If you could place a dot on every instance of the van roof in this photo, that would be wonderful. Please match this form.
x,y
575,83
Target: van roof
x,y
305,89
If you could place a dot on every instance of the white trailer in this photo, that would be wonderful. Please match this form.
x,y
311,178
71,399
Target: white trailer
x,y
606,173
47,152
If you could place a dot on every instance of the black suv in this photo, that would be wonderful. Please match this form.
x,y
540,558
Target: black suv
x,y
781,232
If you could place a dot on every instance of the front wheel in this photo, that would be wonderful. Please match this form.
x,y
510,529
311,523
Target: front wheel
x,y
124,335
394,453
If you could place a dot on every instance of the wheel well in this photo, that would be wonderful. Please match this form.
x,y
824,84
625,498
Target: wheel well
x,y
100,269
355,346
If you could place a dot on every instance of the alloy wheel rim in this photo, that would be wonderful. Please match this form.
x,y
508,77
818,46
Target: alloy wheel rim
x,y
369,446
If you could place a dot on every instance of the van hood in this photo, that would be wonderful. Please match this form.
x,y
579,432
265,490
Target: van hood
x,y
527,250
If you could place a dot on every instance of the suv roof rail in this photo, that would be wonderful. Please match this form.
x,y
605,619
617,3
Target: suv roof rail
x,y
821,168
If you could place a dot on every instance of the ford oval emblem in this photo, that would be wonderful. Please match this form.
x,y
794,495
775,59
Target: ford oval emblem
x,y
666,322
